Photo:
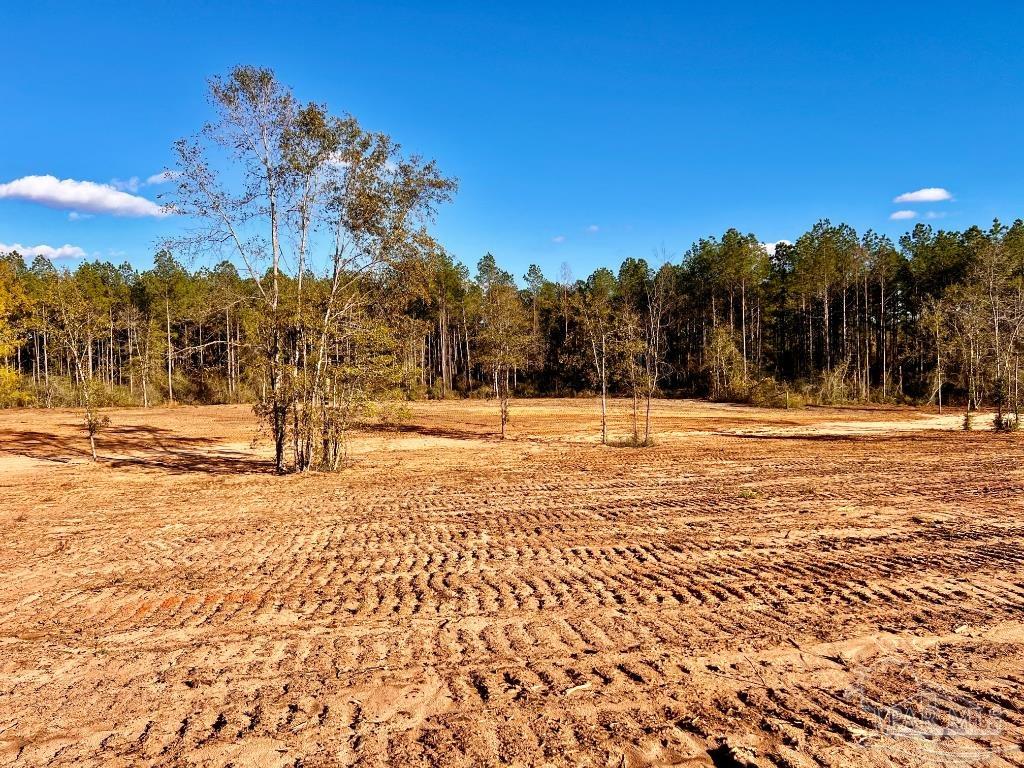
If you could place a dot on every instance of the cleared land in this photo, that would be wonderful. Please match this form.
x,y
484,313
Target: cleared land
x,y
824,587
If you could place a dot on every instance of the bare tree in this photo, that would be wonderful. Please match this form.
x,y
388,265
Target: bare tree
x,y
71,323
504,334
593,303
630,352
270,182
658,292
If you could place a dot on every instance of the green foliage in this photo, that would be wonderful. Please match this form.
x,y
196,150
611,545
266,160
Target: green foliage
x,y
631,441
1006,423
741,326
727,379
15,390
769,393
95,422
833,386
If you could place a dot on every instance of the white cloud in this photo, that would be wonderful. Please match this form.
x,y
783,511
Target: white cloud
x,y
76,216
900,215
126,185
134,184
936,214
925,195
81,196
770,247
558,239
593,228
162,178
48,251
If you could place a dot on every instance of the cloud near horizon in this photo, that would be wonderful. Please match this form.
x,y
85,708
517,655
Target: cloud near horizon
x,y
134,184
924,195
80,196
770,247
65,251
162,178
127,185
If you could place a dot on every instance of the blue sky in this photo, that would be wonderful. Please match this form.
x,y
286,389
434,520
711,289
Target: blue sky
x,y
580,132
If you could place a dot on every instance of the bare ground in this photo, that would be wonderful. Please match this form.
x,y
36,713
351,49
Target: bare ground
x,y
768,588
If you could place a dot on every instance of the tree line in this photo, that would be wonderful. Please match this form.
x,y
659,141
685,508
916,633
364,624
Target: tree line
x,y
323,298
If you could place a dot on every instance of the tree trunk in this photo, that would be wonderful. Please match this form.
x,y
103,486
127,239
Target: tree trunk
x,y
170,385
604,393
844,323
743,323
828,333
46,363
469,366
647,419
110,352
881,327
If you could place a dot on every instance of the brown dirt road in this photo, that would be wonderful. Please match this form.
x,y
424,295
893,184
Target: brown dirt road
x,y
767,588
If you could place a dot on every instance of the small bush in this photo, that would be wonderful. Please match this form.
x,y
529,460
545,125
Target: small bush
x,y
187,389
15,391
414,390
768,393
526,389
390,413
727,379
60,393
212,389
631,442
833,387
1005,423
115,397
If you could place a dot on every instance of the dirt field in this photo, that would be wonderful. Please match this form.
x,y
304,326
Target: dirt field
x,y
768,588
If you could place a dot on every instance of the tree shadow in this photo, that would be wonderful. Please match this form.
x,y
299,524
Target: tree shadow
x,y
449,432
135,446
923,434
197,462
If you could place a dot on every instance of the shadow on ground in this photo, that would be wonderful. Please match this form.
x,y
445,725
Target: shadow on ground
x,y
924,435
135,446
449,432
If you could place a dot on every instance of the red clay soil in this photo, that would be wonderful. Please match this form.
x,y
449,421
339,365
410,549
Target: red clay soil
x,y
759,588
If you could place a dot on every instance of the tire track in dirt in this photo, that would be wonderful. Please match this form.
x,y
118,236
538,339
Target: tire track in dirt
x,y
616,607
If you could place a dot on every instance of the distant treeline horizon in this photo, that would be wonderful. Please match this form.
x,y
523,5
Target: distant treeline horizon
x,y
834,316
